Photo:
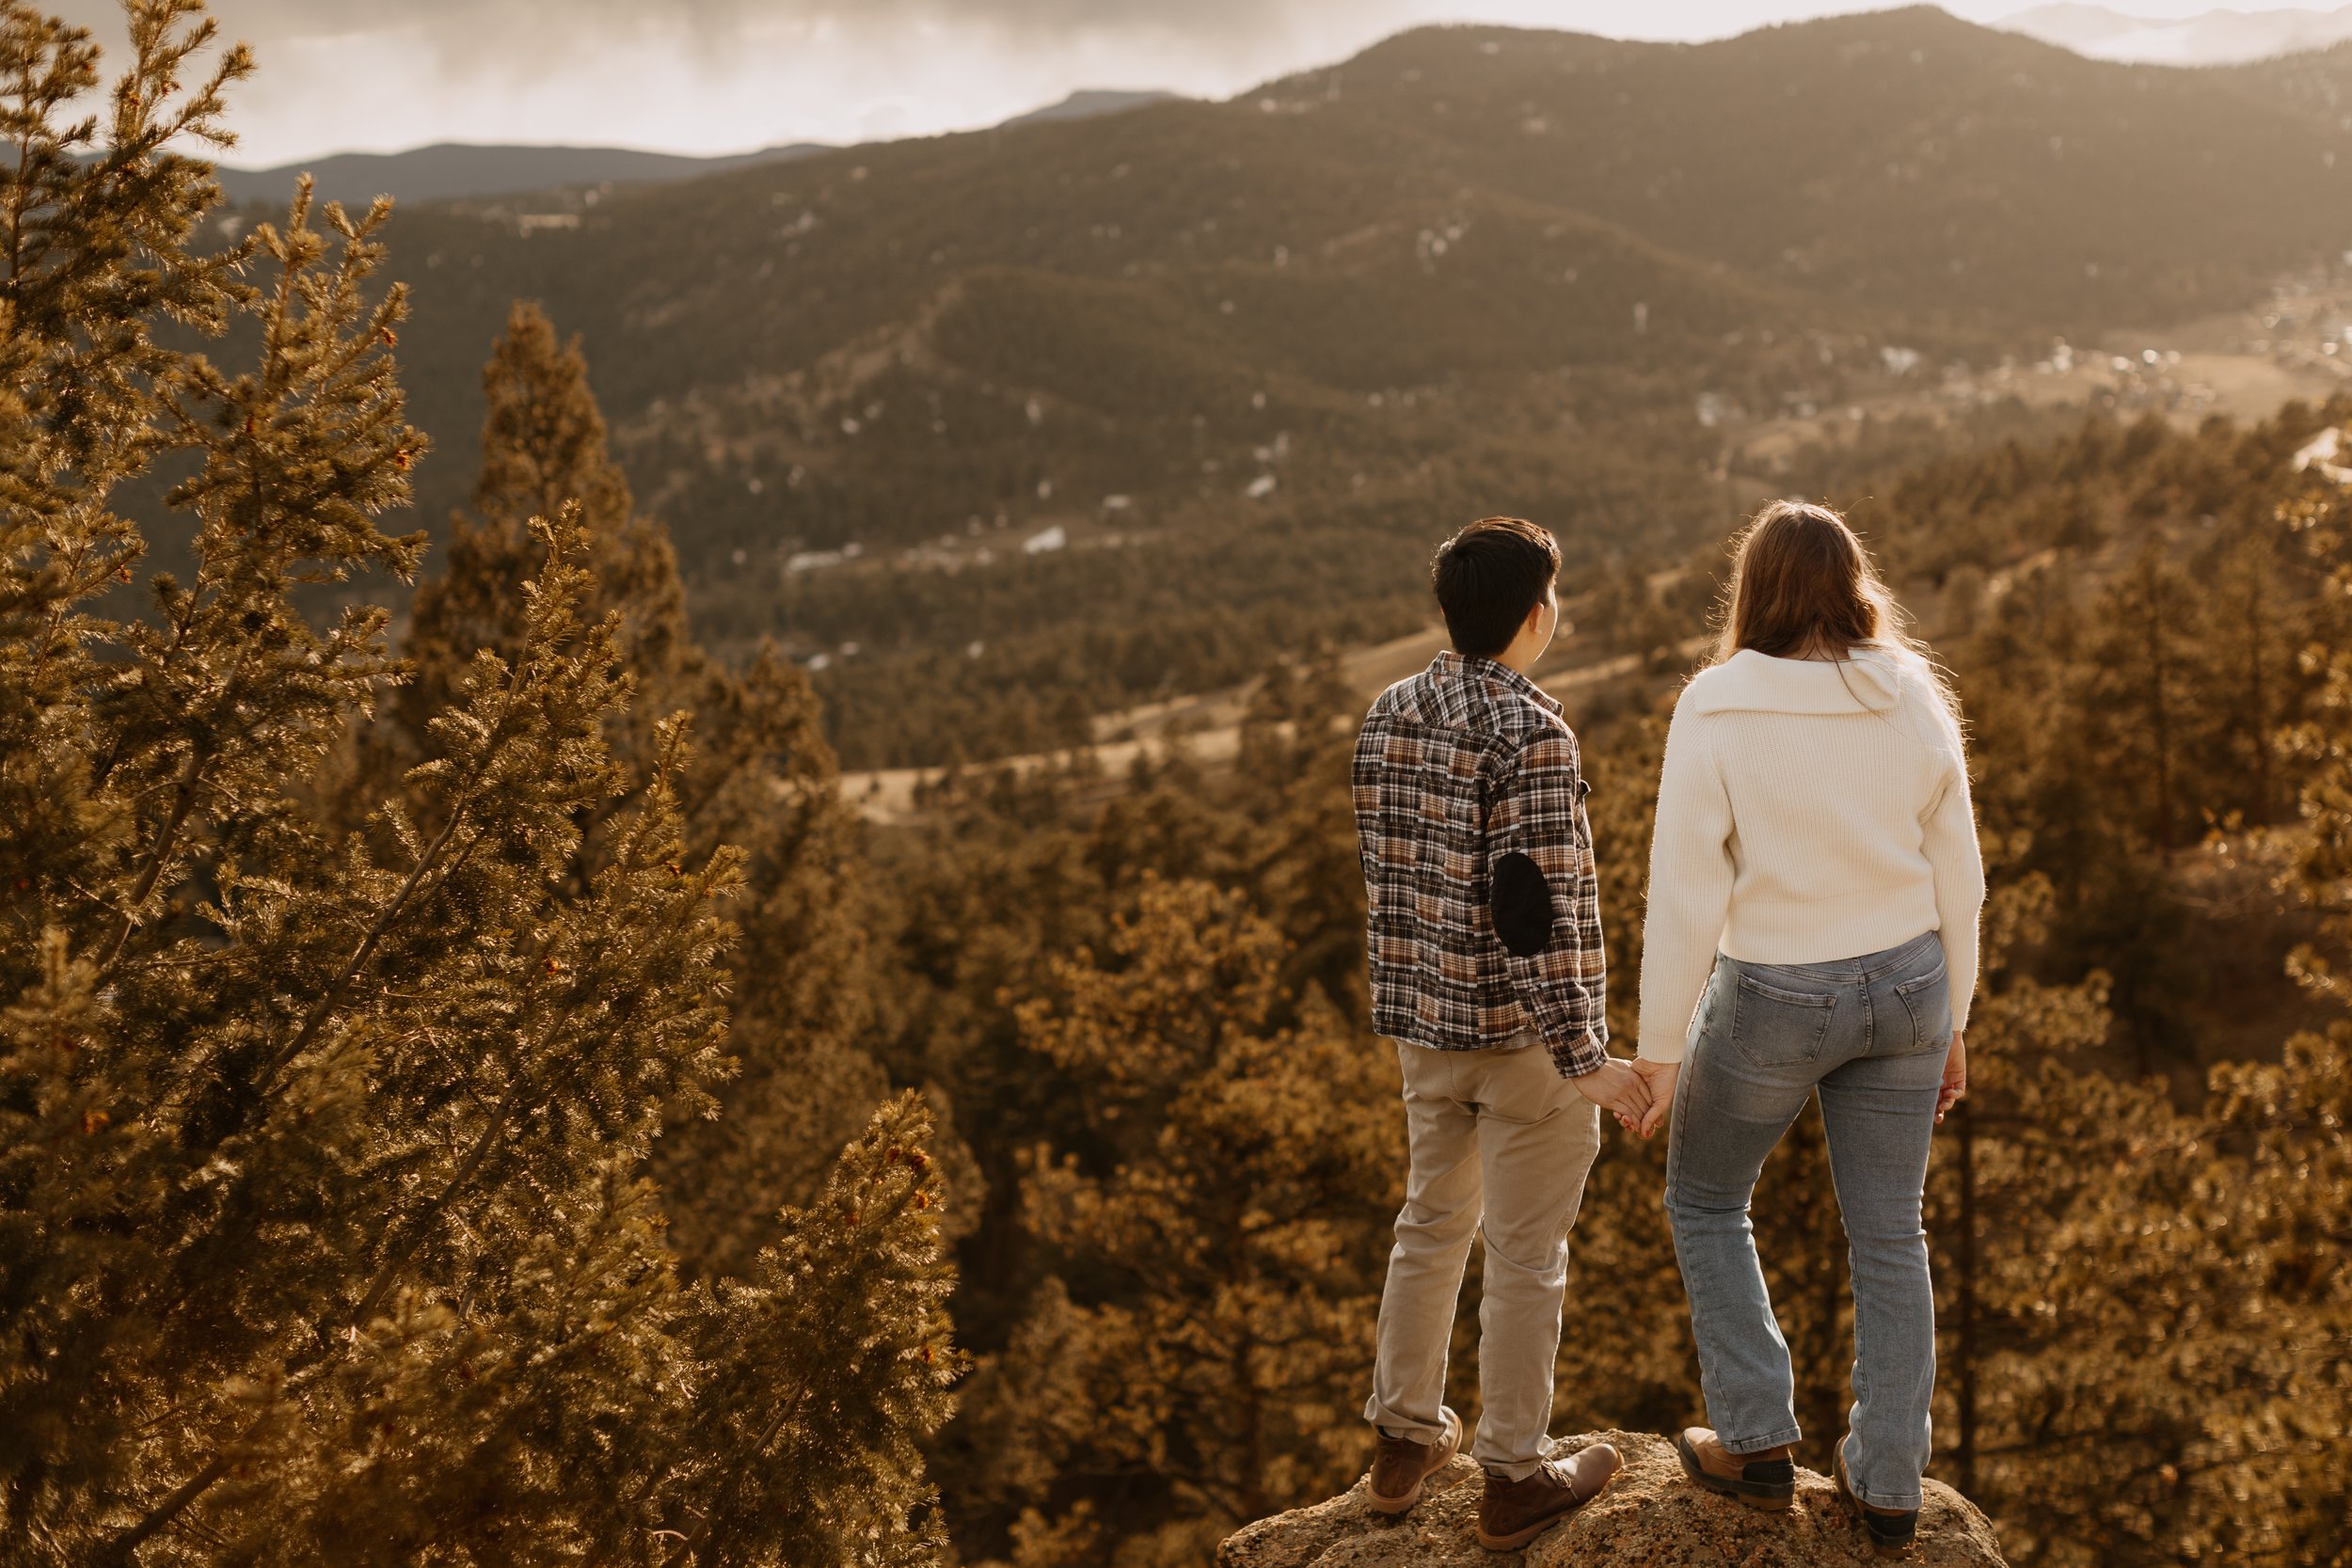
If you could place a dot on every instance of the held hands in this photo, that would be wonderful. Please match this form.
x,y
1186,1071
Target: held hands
x,y
1955,1085
1641,1093
1661,1077
1615,1086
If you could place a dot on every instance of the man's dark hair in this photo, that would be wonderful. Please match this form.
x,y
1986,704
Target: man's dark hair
x,y
1489,576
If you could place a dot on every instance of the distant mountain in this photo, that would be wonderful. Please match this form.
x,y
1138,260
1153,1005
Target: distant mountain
x,y
458,171
2216,37
1248,356
1086,104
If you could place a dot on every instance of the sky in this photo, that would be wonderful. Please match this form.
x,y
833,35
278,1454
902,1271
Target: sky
x,y
729,75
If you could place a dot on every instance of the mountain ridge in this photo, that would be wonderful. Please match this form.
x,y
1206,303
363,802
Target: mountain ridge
x,y
458,171
470,172
1238,362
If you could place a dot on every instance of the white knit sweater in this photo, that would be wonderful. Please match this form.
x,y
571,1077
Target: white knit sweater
x,y
1810,811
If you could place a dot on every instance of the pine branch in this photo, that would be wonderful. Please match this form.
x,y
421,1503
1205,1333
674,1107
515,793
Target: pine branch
x,y
182,801
308,1367
508,1106
838,1298
123,1550
419,1228
426,864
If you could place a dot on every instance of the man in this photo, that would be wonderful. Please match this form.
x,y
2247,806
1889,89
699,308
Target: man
x,y
1488,972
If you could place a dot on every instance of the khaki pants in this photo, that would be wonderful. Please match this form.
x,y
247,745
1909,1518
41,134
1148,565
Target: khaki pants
x,y
1499,1136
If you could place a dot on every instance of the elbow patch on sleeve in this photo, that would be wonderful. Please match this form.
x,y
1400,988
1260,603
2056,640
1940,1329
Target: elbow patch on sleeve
x,y
1523,904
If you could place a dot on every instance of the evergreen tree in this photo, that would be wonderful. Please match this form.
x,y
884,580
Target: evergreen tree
x,y
543,446
2321,746
324,1226
1227,1228
2274,1496
2251,635
762,778
2140,701
827,1364
1296,742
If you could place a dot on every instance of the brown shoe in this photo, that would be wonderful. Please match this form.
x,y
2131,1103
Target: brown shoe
x,y
1891,1529
1399,1466
1513,1512
1766,1479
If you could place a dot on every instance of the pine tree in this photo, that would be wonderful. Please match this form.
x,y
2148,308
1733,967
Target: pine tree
x,y
542,447
324,1226
2287,1166
2321,746
2143,692
762,777
2250,627
1303,863
2286,1176
802,1077
1227,1224
826,1365
2139,1338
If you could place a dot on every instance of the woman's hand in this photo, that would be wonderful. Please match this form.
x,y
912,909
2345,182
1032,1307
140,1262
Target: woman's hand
x,y
1661,1078
1615,1086
1955,1085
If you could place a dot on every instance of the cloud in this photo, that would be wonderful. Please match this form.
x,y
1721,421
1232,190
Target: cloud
x,y
722,75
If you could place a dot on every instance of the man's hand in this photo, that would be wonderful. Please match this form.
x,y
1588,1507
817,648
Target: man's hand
x,y
1955,1085
1615,1086
1660,1078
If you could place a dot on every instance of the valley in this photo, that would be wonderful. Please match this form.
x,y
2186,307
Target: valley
x,y
2243,366
997,435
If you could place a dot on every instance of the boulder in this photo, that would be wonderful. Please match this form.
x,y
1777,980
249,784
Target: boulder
x,y
1651,1516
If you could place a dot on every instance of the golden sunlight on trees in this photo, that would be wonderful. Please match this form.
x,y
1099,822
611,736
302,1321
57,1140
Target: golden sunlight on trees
x,y
762,778
1222,1230
473,1091
324,1124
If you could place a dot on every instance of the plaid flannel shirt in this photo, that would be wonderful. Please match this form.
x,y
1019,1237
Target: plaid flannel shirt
x,y
1484,920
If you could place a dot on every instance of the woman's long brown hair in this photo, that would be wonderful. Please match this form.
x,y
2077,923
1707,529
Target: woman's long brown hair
x,y
1803,587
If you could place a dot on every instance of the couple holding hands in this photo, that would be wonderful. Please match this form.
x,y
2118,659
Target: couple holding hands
x,y
1811,929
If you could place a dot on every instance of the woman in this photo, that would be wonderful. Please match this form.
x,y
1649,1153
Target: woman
x,y
1815,885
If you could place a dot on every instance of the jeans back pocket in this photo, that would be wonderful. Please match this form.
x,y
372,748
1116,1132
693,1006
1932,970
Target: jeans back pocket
x,y
1772,1026
1928,1001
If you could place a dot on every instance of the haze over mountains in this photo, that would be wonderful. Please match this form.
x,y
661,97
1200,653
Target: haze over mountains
x,y
454,171
464,171
459,171
1066,416
2216,37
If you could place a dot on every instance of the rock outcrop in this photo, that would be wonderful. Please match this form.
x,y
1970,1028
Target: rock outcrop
x,y
1650,1518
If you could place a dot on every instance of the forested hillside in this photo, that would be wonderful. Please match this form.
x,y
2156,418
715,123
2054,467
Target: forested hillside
x,y
1240,354
2143,1292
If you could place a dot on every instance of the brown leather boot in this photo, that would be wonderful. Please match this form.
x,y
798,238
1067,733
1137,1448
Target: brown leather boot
x,y
1399,1466
1513,1512
1891,1529
1766,1479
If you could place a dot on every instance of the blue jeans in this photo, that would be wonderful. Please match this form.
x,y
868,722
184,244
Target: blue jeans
x,y
1871,1035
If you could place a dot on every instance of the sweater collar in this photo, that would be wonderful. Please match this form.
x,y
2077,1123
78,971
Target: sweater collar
x,y
1752,682
1450,665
